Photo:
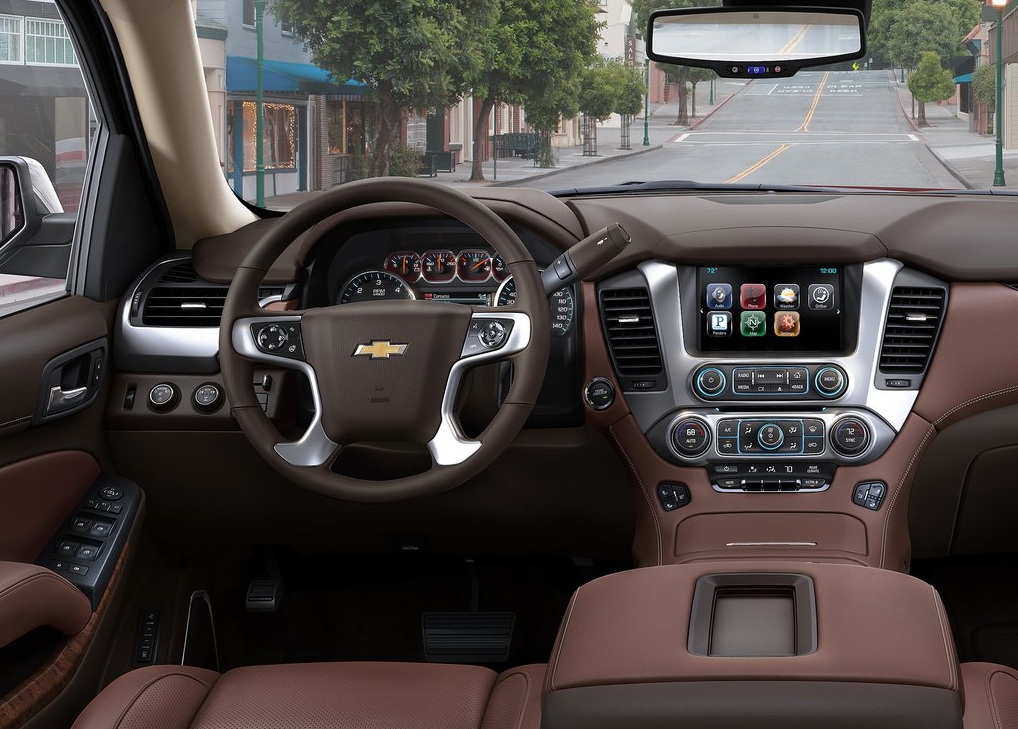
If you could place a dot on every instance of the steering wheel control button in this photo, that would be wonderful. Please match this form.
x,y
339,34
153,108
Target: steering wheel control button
x,y
493,334
599,394
691,437
770,437
850,436
673,495
711,382
282,339
484,335
208,398
870,495
830,381
272,338
163,397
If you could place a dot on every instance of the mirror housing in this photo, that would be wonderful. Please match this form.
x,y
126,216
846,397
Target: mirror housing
x,y
757,42
16,213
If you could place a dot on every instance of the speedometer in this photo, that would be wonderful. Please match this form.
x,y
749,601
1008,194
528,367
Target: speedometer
x,y
560,305
374,286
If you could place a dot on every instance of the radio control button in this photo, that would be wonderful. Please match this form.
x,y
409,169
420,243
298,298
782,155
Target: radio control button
x,y
711,382
830,381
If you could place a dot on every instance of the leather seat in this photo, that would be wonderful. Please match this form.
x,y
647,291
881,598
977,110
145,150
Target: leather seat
x,y
320,696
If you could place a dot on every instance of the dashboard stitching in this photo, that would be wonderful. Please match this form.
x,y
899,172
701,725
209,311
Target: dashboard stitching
x,y
921,447
643,488
16,421
897,491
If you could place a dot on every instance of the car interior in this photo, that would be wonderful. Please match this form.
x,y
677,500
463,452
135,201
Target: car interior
x,y
248,481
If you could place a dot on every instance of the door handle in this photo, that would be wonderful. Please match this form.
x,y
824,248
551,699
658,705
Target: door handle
x,y
60,398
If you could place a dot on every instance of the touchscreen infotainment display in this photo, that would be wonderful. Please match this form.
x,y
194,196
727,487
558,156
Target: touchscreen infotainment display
x,y
771,309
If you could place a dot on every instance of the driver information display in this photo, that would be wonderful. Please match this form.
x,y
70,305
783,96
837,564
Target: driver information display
x,y
770,309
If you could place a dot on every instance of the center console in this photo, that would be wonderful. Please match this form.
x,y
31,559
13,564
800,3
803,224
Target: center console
x,y
754,390
749,644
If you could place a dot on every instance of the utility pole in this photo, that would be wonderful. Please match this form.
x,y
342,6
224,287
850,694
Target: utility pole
x,y
259,8
646,103
998,172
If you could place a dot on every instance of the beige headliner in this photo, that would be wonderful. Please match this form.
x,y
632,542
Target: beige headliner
x,y
160,49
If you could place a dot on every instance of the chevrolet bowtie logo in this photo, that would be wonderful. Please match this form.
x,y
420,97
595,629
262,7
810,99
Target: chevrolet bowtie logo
x,y
380,350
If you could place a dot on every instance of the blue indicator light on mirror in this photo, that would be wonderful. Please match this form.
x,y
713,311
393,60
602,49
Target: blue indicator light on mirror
x,y
756,70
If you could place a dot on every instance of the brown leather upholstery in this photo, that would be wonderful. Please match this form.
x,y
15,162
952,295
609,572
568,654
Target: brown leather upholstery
x,y
32,596
873,626
991,696
320,696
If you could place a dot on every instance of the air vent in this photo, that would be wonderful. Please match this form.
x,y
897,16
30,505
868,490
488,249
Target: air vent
x,y
184,306
629,324
913,322
181,272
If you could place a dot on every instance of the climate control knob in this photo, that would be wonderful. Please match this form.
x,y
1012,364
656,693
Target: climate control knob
x,y
690,437
770,436
850,436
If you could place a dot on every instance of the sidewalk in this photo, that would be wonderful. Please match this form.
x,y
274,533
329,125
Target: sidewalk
x,y
661,128
969,156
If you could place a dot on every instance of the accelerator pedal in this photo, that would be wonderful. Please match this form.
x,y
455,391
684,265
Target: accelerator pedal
x,y
468,637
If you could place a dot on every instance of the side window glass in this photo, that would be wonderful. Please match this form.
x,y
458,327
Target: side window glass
x,y
46,132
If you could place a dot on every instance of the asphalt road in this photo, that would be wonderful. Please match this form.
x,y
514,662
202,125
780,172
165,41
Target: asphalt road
x,y
817,128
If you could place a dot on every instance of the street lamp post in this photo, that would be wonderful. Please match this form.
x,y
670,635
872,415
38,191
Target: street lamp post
x,y
998,172
646,102
259,8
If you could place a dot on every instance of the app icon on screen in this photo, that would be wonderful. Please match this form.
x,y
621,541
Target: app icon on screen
x,y
821,297
719,324
719,296
786,296
786,323
753,324
753,296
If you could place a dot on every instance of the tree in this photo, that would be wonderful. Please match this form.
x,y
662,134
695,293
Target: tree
x,y
930,82
545,111
900,30
409,55
531,52
630,87
677,74
696,75
984,85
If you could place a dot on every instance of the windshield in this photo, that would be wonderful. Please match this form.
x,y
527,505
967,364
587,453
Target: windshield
x,y
559,95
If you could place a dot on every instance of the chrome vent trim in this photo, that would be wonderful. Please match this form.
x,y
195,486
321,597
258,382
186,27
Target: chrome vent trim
x,y
911,329
183,306
629,328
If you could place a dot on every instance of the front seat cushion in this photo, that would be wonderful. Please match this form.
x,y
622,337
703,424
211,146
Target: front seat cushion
x,y
315,696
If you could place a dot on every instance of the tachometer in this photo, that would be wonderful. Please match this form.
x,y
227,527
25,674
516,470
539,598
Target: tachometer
x,y
438,266
406,265
560,305
374,286
474,266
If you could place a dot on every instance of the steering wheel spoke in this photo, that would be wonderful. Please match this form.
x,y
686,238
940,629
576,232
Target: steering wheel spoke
x,y
492,336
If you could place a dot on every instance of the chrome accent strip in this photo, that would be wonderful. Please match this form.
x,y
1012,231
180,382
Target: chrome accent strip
x,y
207,599
771,544
662,279
450,446
313,448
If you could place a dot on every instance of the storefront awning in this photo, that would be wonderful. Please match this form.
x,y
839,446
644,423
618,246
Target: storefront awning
x,y
286,76
963,79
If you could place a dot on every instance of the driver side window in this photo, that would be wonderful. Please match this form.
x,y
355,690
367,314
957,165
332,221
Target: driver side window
x,y
47,125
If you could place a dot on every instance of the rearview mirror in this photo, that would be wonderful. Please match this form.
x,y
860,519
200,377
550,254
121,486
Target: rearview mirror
x,y
765,42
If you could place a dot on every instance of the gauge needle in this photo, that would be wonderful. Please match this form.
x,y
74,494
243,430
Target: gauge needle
x,y
477,265
404,265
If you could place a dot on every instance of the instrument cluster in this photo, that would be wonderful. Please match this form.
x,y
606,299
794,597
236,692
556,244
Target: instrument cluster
x,y
472,276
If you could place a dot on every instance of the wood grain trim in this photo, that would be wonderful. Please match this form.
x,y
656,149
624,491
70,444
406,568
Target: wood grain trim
x,y
42,687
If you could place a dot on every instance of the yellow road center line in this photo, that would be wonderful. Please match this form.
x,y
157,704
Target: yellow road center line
x,y
804,127
796,40
750,170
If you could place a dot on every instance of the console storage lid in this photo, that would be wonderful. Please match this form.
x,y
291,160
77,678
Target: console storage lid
x,y
872,626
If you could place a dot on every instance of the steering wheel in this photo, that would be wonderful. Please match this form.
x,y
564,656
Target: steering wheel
x,y
385,370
